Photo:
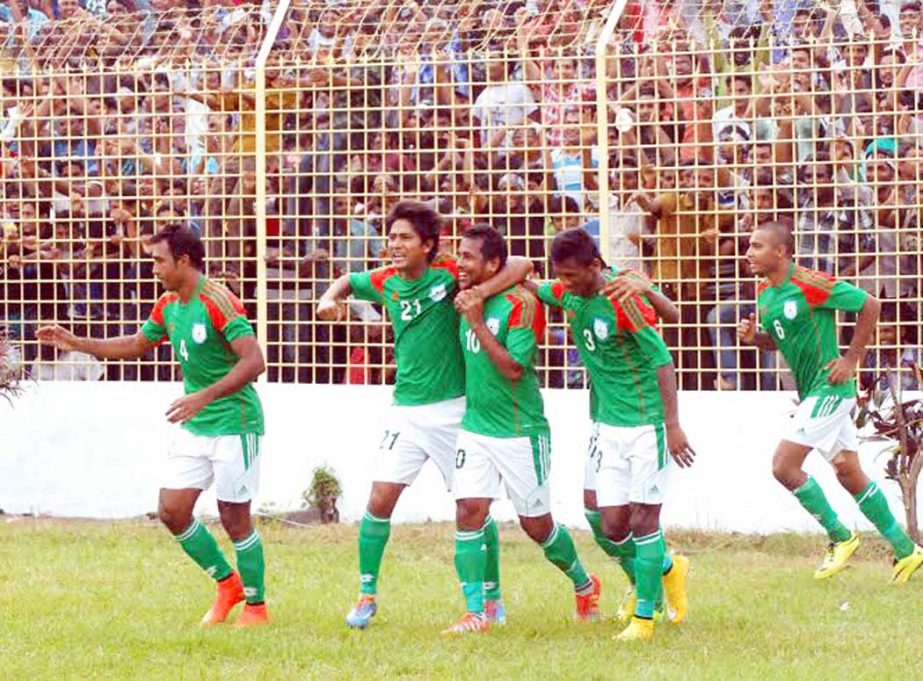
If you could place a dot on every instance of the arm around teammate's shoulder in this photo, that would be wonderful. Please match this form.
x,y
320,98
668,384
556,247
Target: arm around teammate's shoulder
x,y
516,270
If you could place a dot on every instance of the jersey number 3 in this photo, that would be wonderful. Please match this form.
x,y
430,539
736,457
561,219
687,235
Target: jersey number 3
x,y
588,340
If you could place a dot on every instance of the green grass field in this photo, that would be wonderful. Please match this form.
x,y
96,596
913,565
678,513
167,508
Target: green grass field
x,y
84,600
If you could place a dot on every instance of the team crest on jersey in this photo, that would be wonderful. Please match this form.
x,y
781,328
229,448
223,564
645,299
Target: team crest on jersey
x,y
437,293
790,309
600,328
198,332
493,325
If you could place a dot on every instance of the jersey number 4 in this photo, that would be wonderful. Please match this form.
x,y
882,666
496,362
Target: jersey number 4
x,y
183,352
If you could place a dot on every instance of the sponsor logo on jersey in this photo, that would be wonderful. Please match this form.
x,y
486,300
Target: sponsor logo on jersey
x,y
600,328
437,293
790,309
493,325
198,332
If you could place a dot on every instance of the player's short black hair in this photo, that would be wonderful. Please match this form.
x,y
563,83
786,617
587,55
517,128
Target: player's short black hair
x,y
182,240
577,244
424,219
781,232
493,246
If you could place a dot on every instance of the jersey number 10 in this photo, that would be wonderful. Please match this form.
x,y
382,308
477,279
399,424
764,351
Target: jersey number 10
x,y
473,345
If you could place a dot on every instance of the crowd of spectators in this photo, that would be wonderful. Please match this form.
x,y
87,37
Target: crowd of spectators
x,y
120,117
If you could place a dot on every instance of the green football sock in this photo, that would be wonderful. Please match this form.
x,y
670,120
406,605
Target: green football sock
x,y
874,506
667,556
596,524
560,550
492,567
251,567
470,563
627,556
811,496
373,537
200,545
648,574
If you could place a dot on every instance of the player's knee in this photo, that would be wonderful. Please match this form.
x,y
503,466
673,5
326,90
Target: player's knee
x,y
175,519
645,520
383,499
538,529
235,518
469,515
784,472
615,529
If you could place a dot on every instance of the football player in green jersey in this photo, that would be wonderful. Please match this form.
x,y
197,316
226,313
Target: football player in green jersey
x,y
797,309
417,289
636,430
504,435
221,417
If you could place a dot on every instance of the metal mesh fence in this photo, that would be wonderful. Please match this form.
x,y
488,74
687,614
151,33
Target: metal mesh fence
x,y
668,133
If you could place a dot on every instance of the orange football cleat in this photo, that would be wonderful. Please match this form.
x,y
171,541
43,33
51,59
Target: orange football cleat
x,y
230,593
252,616
588,604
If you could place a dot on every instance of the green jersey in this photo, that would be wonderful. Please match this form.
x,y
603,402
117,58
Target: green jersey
x,y
201,331
800,317
621,349
494,405
429,362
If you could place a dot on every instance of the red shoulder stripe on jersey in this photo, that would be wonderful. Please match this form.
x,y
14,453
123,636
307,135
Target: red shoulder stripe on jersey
x,y
162,302
557,290
445,262
634,314
526,312
815,286
379,276
227,301
217,316
762,286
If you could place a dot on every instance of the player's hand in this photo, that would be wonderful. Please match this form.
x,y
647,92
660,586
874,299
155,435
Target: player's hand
x,y
626,285
185,408
330,311
471,305
746,330
841,370
679,447
57,336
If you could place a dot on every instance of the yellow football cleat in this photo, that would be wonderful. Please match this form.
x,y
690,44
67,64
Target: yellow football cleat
x,y
906,566
674,588
627,606
837,555
637,630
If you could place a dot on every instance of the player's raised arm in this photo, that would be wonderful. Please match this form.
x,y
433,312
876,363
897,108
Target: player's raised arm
x,y
516,270
248,368
329,307
122,347
842,369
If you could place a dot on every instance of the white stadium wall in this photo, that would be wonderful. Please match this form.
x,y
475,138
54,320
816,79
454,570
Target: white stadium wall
x,y
93,450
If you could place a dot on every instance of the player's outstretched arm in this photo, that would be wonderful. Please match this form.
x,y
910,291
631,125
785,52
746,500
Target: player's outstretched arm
x,y
677,443
248,368
842,369
330,306
748,335
122,347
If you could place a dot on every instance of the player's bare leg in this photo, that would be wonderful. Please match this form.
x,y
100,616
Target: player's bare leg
x,y
471,563
560,551
235,517
787,468
175,509
374,531
908,557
